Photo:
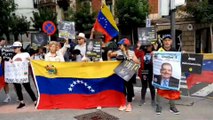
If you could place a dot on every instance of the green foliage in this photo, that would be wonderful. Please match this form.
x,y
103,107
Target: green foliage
x,y
19,25
6,8
131,13
43,15
82,17
202,11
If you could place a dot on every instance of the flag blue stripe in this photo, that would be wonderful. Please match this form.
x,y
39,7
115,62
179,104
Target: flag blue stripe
x,y
208,65
107,25
56,86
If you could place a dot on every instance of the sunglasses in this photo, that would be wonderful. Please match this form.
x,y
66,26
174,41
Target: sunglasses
x,y
16,47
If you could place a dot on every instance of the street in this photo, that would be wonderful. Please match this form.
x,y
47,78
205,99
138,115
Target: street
x,y
191,108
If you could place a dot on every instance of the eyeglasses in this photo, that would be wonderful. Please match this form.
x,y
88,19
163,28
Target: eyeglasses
x,y
79,38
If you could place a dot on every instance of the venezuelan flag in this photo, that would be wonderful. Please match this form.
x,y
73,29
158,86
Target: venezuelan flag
x,y
106,24
77,85
2,83
207,72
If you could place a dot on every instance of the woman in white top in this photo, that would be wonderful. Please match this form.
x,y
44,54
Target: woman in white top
x,y
22,56
124,51
53,54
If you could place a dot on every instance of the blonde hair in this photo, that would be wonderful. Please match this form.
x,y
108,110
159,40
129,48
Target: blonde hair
x,y
53,43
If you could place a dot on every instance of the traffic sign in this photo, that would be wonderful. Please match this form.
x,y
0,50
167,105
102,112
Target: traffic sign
x,y
49,27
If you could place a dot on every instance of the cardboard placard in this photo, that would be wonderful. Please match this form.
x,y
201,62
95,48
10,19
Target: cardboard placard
x,y
127,69
192,63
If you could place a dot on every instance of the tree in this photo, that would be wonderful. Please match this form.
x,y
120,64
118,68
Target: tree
x,y
7,7
131,14
202,11
19,25
43,15
82,17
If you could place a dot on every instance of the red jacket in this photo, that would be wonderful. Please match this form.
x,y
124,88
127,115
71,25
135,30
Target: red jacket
x,y
140,55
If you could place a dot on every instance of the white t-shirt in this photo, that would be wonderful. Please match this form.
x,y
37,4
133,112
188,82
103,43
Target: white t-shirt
x,y
21,57
59,57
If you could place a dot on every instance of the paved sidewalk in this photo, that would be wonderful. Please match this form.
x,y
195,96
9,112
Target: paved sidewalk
x,y
191,108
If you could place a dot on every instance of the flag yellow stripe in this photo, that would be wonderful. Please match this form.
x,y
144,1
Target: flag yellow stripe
x,y
75,69
105,10
208,56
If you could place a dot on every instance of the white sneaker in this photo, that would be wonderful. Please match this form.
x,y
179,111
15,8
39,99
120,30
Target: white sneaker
x,y
7,99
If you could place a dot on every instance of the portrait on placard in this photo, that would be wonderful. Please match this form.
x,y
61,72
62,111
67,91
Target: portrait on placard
x,y
167,70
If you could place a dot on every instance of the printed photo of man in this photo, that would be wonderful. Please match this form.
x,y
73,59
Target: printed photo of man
x,y
165,80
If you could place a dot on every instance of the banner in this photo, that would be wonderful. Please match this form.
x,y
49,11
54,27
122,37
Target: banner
x,y
93,48
66,29
16,72
77,84
127,69
167,70
192,63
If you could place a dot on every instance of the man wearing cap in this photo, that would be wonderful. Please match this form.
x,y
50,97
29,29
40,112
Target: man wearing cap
x,y
167,44
81,46
171,95
22,56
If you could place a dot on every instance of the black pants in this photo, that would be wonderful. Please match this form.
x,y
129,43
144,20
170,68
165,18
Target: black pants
x,y
130,89
147,81
27,88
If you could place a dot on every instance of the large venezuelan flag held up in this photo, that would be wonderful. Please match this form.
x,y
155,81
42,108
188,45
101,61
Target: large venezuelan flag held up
x,y
77,85
106,24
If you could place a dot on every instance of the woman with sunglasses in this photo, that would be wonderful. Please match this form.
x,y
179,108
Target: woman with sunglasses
x,y
126,53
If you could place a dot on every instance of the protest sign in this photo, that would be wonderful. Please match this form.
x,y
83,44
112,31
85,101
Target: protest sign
x,y
40,39
7,52
127,69
192,63
16,72
146,34
66,29
167,70
93,48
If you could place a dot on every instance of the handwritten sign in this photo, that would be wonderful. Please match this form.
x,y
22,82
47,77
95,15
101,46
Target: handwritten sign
x,y
16,72
7,52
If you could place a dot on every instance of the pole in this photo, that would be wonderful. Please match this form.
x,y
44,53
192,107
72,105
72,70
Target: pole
x,y
211,35
172,22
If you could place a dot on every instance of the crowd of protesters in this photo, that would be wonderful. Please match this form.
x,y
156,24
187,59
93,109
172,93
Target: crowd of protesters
x,y
114,50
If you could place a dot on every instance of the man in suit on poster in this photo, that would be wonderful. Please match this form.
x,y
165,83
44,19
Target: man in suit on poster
x,y
165,80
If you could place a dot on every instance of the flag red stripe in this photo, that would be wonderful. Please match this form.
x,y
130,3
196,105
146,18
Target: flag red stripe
x,y
2,82
108,98
206,76
98,27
